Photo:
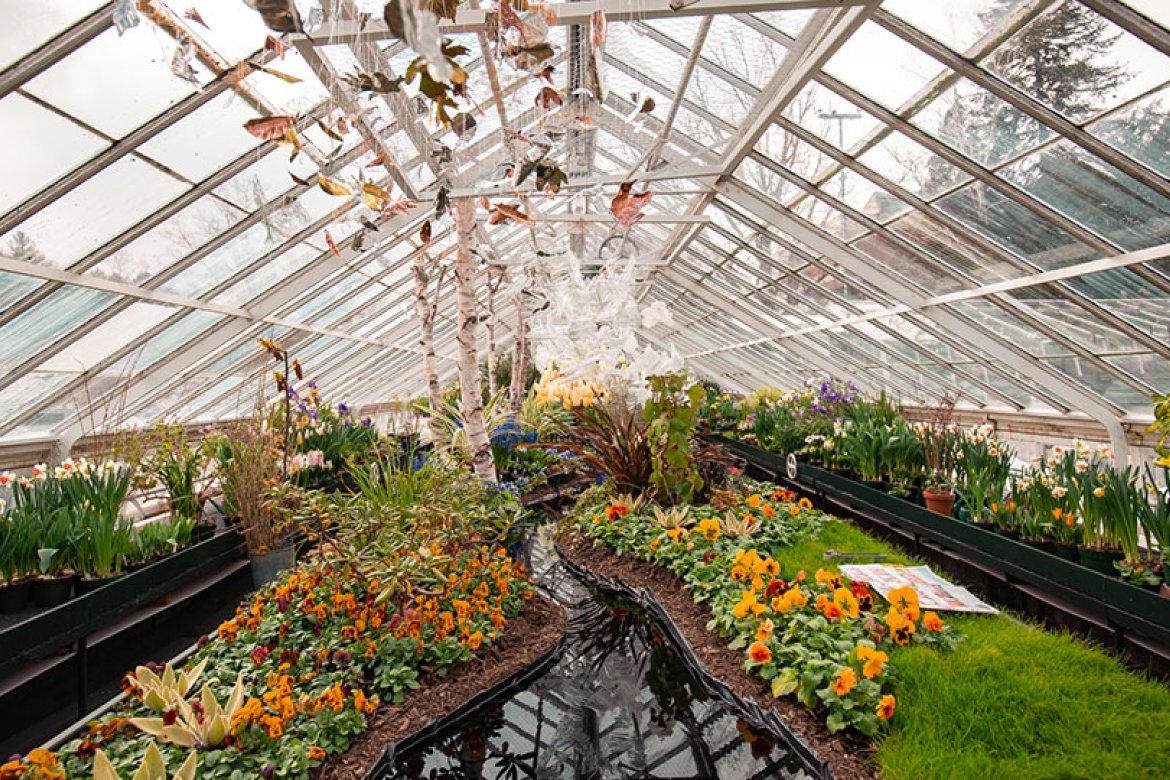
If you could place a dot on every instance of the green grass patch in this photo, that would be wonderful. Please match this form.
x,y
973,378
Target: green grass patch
x,y
1012,701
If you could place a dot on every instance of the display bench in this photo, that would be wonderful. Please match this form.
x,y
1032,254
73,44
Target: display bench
x,y
57,643
1127,617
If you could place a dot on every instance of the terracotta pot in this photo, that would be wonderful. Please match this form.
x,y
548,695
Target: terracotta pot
x,y
939,501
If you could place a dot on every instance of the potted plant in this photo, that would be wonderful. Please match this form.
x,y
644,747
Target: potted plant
x,y
249,468
180,468
96,495
1112,535
17,560
983,466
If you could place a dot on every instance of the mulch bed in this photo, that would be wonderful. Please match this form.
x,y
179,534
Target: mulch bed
x,y
846,753
526,638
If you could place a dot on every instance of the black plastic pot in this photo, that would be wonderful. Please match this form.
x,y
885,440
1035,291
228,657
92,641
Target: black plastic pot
x,y
1101,560
14,596
1047,545
90,584
53,591
1070,552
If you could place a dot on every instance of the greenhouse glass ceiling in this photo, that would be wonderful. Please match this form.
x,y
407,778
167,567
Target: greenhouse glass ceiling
x,y
967,199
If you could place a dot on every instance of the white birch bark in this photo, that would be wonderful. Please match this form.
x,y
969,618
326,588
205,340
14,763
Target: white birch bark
x,y
468,325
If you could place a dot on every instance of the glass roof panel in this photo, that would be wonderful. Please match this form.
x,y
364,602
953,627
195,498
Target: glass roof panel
x,y
27,26
892,77
959,24
203,142
1100,67
98,209
1141,130
81,83
48,320
39,146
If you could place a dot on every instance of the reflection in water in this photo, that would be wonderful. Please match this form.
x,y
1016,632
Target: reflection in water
x,y
619,704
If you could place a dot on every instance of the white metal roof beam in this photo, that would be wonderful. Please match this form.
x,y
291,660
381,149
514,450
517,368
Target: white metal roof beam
x,y
472,20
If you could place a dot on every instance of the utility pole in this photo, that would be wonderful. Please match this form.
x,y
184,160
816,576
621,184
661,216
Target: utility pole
x,y
839,118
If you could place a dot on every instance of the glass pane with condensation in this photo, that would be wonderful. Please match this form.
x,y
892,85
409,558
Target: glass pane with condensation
x,y
39,147
1015,228
116,83
1140,130
202,143
83,353
28,26
1095,194
14,287
15,398
175,238
1078,63
97,210
959,24
883,66
47,321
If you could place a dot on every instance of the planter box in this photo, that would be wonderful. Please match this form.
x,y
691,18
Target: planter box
x,y
51,629
1127,606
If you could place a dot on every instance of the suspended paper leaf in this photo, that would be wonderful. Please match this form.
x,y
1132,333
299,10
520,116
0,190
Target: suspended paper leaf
x,y
502,212
332,245
332,187
444,9
374,196
463,125
278,15
181,63
327,131
547,74
509,19
125,15
359,241
483,201
299,180
376,82
270,128
530,57
392,15
276,45
550,177
194,16
546,12
296,367
549,97
398,207
626,207
441,202
529,167
368,225
374,163
596,30
238,74
292,140
648,105
425,234
280,74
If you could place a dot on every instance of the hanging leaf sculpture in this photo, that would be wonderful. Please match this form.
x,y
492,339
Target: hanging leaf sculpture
x,y
332,244
424,235
376,82
626,207
502,212
359,240
463,125
194,16
549,97
550,177
181,63
270,128
547,74
299,180
328,131
376,161
332,187
368,225
444,9
125,15
278,15
276,45
441,202
292,140
374,196
397,207
648,106
239,73
286,77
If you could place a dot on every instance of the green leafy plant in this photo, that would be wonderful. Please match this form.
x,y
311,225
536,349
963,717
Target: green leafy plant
x,y
672,414
153,766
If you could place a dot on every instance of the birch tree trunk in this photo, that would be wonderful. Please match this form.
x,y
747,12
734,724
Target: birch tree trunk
x,y
425,312
493,356
466,336
520,357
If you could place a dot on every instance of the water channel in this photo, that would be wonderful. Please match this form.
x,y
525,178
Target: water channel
x,y
620,703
